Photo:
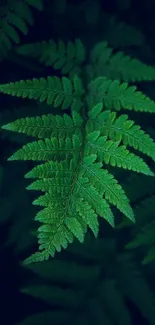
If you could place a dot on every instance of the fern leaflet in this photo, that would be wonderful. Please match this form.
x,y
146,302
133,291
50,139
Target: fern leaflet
x,y
118,95
117,66
65,57
53,90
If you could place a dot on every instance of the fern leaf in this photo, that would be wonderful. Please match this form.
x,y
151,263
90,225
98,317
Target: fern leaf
x,y
37,257
47,149
77,187
106,184
50,169
47,126
114,154
53,90
58,181
79,205
77,190
102,181
121,129
65,217
75,203
90,217
103,62
65,57
114,94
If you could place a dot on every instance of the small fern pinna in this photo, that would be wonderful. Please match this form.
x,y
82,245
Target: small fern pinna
x,y
75,150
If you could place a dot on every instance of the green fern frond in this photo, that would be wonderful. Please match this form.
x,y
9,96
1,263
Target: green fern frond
x,y
120,129
65,57
50,169
112,153
75,149
128,69
103,62
101,179
114,94
47,149
106,184
47,126
73,202
14,18
53,90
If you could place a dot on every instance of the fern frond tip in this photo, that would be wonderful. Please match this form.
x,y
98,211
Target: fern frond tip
x,y
28,175
7,127
36,257
11,158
